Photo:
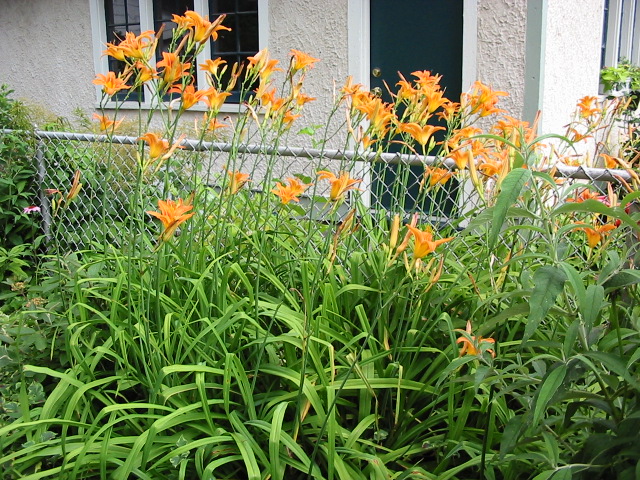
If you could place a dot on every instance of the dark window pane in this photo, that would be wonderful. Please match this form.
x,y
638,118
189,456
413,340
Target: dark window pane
x,y
247,5
122,11
222,6
122,16
242,41
227,41
248,33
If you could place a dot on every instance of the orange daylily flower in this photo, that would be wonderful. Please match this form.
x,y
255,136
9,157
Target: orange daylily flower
x,y
588,106
159,147
213,124
115,51
106,124
140,47
349,88
586,194
302,99
291,192
172,215
461,157
110,83
449,110
238,180
425,79
437,175
517,131
406,90
271,102
339,185
378,113
262,65
289,118
212,66
189,96
174,69
482,99
424,242
595,234
301,60
491,166
433,98
214,99
472,345
610,161
145,73
420,134
135,47
201,29
367,141
462,137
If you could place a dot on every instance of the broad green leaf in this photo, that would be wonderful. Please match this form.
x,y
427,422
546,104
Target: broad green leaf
x,y
594,206
509,192
616,365
547,390
576,282
621,279
559,474
592,304
548,282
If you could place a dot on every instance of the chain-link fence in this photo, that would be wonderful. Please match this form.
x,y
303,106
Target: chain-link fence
x,y
110,171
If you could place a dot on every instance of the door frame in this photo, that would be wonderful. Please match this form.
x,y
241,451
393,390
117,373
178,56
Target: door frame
x,y
359,43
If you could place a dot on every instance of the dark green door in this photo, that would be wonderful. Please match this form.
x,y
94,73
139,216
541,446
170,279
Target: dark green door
x,y
410,35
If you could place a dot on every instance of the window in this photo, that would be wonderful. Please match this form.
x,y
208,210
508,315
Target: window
x,y
621,32
112,18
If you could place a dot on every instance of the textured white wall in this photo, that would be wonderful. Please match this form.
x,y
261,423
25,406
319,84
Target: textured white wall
x,y
502,26
58,69
319,29
572,58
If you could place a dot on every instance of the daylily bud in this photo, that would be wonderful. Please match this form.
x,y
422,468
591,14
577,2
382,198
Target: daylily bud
x,y
393,233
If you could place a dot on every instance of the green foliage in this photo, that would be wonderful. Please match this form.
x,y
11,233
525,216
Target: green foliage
x,y
17,173
623,81
624,77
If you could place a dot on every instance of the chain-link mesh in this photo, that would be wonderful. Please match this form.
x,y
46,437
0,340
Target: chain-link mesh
x,y
110,173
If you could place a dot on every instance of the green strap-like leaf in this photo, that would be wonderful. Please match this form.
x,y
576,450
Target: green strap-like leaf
x,y
509,192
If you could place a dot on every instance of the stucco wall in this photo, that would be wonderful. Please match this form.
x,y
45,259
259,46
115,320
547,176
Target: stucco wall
x,y
58,70
571,58
319,29
502,28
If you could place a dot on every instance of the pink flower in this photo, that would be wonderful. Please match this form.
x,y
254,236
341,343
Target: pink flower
x,y
31,209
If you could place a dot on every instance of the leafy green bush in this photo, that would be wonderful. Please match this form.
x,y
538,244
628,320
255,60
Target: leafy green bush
x,y
18,187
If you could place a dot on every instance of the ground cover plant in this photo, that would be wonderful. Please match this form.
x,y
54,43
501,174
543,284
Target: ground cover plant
x,y
273,324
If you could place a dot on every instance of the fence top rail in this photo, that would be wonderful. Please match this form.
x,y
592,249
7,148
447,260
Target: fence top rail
x,y
560,170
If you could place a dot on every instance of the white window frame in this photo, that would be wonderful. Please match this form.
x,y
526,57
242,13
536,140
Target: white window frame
x,y
623,32
101,64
